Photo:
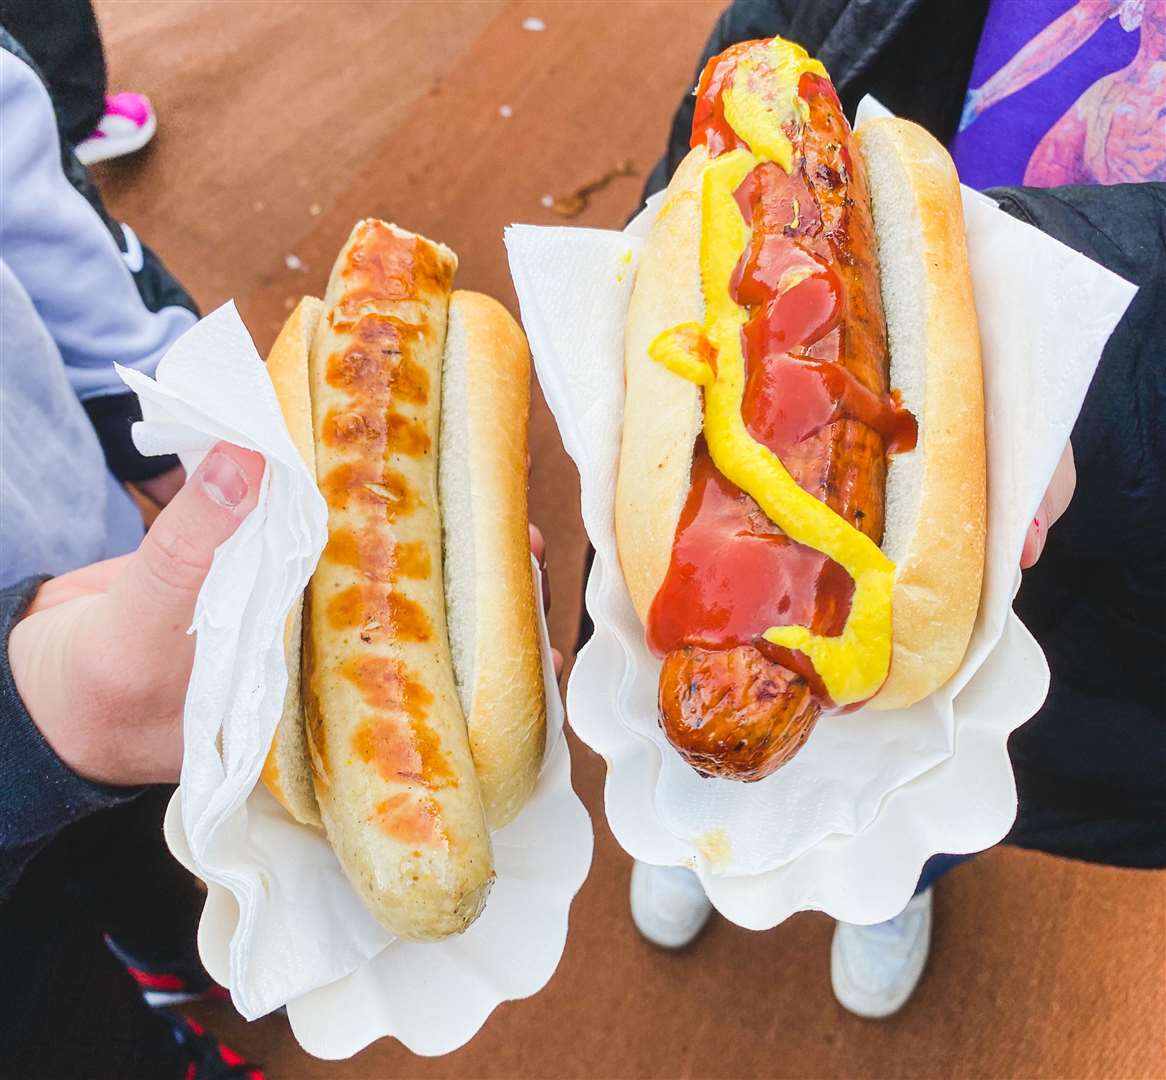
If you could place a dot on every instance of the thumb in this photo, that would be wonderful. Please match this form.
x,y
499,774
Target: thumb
x,y
162,578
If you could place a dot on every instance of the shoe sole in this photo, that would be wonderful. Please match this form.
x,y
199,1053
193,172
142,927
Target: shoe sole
x,y
663,937
108,149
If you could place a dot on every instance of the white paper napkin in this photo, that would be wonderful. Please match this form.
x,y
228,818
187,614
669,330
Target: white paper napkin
x,y
281,924
806,836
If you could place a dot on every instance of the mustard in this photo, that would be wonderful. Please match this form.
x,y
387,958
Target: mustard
x,y
854,664
760,119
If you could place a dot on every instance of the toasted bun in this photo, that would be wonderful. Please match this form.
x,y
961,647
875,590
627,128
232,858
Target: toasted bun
x,y
662,412
286,771
936,494
489,592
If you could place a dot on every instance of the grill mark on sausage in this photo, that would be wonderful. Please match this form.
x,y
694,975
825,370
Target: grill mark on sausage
x,y
411,820
371,552
407,436
368,485
380,613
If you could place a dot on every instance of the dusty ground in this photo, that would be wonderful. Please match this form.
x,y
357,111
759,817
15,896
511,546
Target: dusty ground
x,y
281,124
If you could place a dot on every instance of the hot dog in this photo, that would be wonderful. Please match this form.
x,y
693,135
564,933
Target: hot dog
x,y
414,748
800,500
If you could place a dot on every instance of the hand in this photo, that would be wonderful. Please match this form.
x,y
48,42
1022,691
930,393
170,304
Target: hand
x,y
103,658
538,548
1052,506
161,489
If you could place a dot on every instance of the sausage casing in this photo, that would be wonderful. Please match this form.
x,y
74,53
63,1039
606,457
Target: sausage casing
x,y
391,761
731,704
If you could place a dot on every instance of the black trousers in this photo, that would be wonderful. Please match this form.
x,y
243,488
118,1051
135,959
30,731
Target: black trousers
x,y
67,1007
62,38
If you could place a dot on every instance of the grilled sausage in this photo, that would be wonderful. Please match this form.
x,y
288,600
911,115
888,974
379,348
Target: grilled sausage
x,y
390,756
740,712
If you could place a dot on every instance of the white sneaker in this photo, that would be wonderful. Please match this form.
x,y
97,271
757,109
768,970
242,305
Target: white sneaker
x,y
875,969
128,124
669,906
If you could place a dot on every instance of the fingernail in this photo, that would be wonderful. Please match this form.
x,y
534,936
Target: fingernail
x,y
223,480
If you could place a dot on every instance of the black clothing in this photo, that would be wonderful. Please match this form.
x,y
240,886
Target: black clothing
x,y
1091,765
62,38
68,1008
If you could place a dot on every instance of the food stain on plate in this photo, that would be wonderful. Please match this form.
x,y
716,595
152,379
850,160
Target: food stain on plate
x,y
625,262
715,846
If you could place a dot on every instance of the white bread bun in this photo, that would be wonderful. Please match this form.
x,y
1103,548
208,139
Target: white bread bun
x,y
662,412
936,495
286,771
489,592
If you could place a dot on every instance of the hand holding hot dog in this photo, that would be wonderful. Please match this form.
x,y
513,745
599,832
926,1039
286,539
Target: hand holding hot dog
x,y
103,657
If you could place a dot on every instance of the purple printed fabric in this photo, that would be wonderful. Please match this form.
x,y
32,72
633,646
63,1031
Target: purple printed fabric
x,y
1066,92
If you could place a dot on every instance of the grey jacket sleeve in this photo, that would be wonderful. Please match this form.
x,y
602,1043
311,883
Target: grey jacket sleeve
x,y
64,254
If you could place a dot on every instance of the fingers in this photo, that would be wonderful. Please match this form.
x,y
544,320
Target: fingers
x,y
162,578
1053,505
1063,484
538,546
1034,541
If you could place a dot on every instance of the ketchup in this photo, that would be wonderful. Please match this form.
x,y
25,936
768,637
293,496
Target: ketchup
x,y
734,571
709,126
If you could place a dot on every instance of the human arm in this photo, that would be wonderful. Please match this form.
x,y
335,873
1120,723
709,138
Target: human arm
x,y
65,255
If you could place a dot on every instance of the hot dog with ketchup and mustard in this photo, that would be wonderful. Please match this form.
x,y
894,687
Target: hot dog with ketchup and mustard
x,y
800,508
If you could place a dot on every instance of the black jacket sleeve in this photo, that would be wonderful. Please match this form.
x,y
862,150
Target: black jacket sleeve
x,y
39,793
1091,765
1120,438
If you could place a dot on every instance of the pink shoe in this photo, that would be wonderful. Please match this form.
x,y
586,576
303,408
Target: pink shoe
x,y
128,124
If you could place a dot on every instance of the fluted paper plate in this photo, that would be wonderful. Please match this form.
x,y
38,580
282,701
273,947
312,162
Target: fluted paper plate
x,y
434,997
846,826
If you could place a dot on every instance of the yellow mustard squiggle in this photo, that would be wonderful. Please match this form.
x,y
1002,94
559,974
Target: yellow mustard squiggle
x,y
854,664
760,120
